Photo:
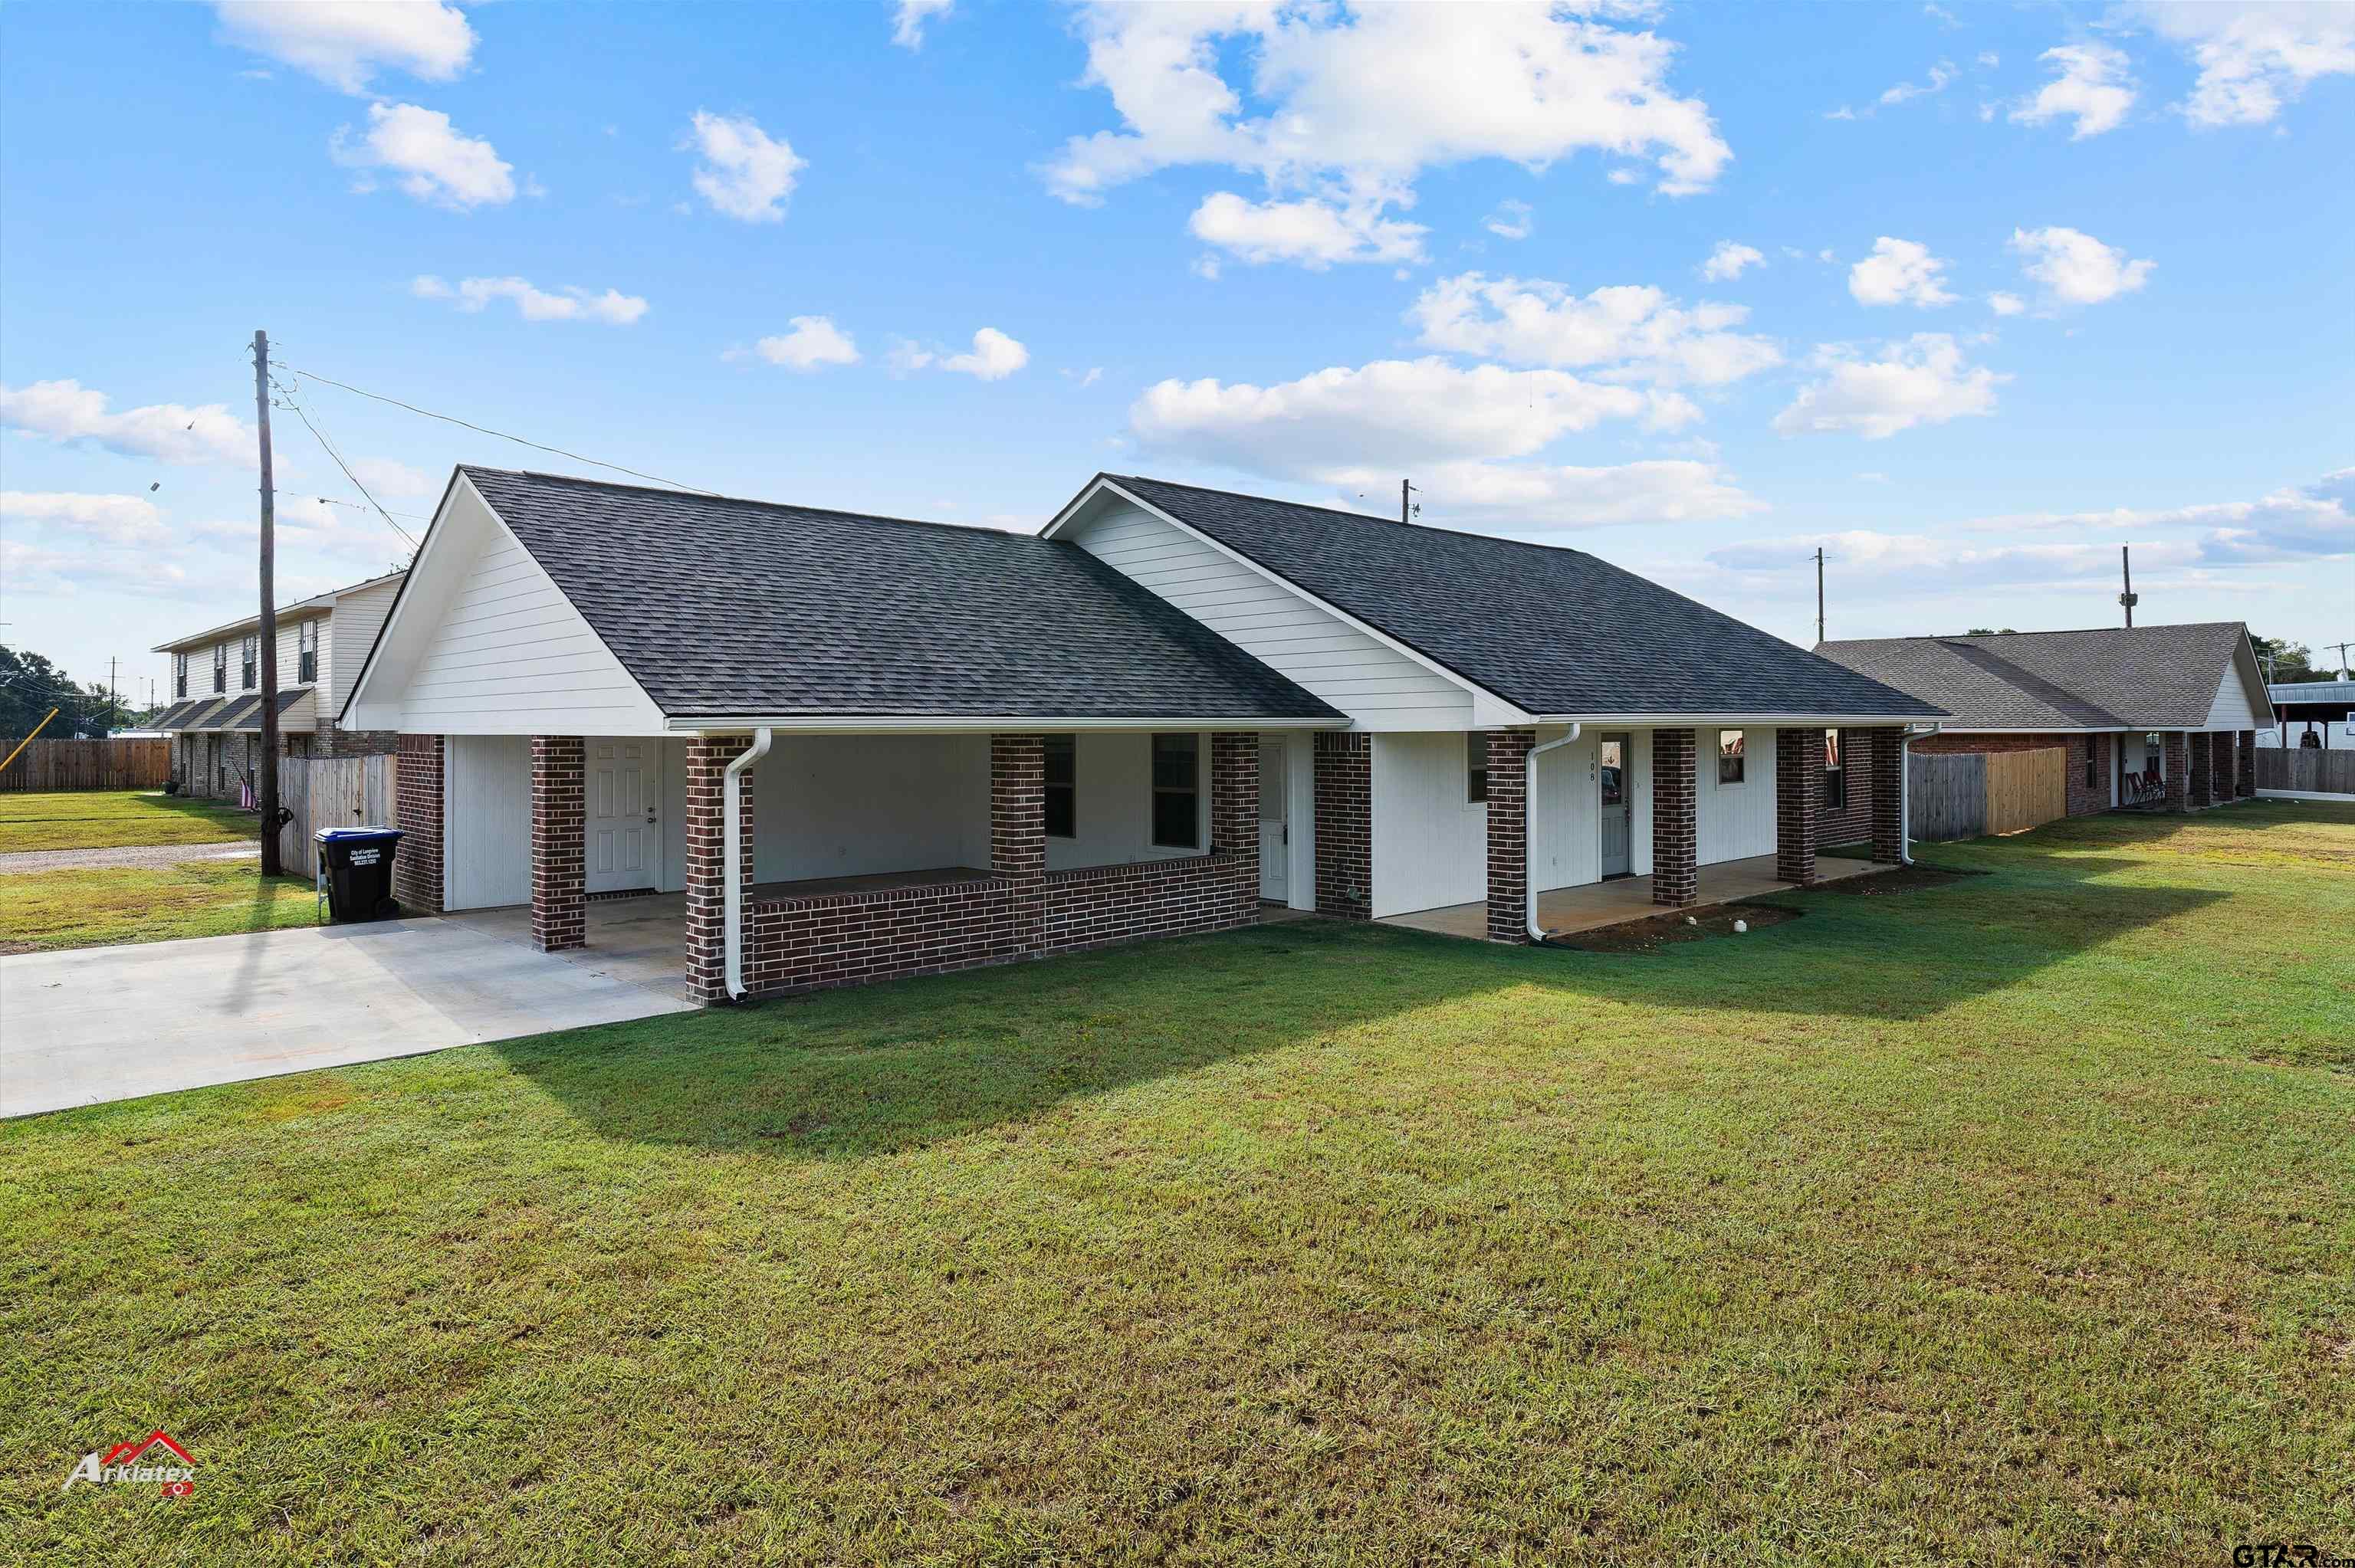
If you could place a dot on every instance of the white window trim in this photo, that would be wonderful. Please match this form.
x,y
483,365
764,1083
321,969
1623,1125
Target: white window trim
x,y
1717,757
1481,739
1153,792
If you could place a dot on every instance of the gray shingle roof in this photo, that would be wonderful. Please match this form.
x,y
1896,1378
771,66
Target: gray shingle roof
x,y
2111,677
740,607
1553,631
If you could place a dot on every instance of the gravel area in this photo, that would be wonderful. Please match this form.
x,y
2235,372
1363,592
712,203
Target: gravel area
x,y
134,855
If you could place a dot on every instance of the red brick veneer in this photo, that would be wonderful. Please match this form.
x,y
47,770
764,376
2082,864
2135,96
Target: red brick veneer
x,y
1509,833
1885,761
1345,825
416,812
707,757
558,844
1798,802
1675,819
2244,784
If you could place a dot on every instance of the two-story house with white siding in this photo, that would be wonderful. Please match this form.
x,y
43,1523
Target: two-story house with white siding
x,y
214,718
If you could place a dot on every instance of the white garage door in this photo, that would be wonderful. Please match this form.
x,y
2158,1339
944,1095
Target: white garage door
x,y
487,821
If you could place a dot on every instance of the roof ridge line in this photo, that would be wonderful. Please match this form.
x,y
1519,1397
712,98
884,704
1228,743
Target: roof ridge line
x,y
746,501
1354,516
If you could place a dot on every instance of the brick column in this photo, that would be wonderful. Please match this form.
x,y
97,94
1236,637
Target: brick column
x,y
1508,834
1798,791
707,757
2244,779
2175,764
2203,771
1886,759
1345,825
1234,797
417,812
1018,835
558,844
1675,819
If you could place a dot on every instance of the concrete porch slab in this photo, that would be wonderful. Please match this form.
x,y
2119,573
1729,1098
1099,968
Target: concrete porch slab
x,y
1568,909
640,941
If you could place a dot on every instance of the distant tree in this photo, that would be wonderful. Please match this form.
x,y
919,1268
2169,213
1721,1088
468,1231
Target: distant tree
x,y
2289,661
30,685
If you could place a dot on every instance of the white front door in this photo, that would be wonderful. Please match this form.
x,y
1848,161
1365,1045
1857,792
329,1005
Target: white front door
x,y
1274,827
624,827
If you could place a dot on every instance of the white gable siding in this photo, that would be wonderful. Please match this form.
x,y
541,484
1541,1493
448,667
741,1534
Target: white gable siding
x,y
509,655
1379,688
2231,709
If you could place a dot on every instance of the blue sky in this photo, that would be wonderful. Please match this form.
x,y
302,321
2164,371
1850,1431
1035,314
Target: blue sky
x,y
1996,290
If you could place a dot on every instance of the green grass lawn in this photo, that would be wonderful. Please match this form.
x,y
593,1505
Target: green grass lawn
x,y
113,818
2010,1220
107,904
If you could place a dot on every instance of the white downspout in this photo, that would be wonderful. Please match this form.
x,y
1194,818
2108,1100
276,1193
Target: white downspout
x,y
1529,830
1905,738
731,793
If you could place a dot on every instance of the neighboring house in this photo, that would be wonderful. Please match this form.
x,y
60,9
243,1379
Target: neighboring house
x,y
2151,717
2323,710
948,746
214,716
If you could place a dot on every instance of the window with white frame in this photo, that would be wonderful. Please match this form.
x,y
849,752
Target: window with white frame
x,y
1835,773
1731,758
250,662
179,677
220,666
1176,792
1475,768
306,651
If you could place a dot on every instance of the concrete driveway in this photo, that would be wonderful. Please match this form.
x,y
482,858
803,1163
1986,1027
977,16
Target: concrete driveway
x,y
94,1025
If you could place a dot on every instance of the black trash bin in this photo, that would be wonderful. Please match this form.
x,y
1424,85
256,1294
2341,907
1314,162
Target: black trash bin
x,y
358,866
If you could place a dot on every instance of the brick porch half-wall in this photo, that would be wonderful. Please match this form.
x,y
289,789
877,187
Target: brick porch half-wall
x,y
1019,910
1345,825
1675,819
558,844
1508,834
1798,802
417,812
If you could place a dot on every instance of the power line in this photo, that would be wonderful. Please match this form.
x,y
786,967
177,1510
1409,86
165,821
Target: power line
x,y
329,447
502,435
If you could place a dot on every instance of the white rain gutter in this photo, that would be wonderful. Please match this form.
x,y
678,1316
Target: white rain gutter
x,y
733,861
1528,830
1905,738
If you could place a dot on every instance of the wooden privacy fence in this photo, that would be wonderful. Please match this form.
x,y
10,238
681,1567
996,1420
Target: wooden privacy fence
x,y
2306,768
330,792
1947,792
119,763
2027,788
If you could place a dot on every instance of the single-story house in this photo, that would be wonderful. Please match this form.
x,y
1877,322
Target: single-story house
x,y
2150,717
214,719
862,746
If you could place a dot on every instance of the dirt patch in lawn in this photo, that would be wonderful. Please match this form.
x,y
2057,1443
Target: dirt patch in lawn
x,y
1657,931
1898,879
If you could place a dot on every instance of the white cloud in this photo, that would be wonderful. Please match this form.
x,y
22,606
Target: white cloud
x,y
2253,57
51,572
1921,380
435,163
1511,220
1726,262
1899,273
2075,268
1348,106
107,519
993,357
534,304
1541,495
908,24
2005,304
815,341
2093,85
745,172
343,43
1087,377
1309,231
1920,564
2297,521
174,432
1941,75
1635,333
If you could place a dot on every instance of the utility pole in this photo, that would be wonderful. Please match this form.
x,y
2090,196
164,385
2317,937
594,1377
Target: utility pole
x,y
2128,599
1407,508
2342,648
1819,593
267,767
114,702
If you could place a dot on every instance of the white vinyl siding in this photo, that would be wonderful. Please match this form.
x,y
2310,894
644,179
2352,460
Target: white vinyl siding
x,y
1565,836
511,656
345,637
486,818
1737,821
843,805
2231,709
1430,846
1377,688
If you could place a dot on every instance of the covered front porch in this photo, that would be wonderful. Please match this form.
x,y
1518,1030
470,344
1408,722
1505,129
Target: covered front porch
x,y
1563,911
